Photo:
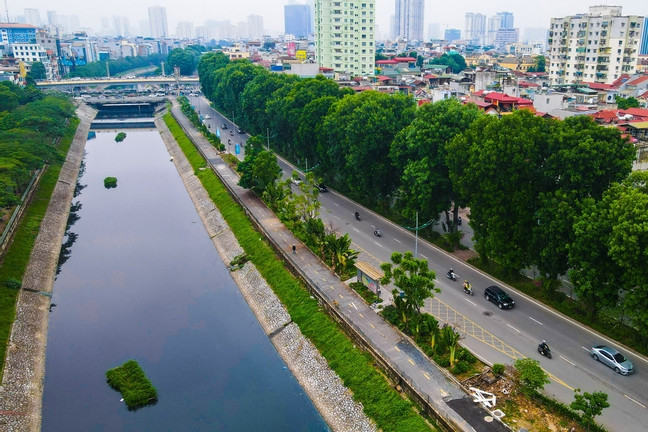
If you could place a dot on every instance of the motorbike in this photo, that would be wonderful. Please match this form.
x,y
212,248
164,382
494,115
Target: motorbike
x,y
451,275
544,350
377,232
357,216
468,289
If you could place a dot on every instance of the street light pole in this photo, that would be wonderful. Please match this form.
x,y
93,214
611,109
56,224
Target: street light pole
x,y
416,241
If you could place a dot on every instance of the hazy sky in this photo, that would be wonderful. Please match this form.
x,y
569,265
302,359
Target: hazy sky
x,y
447,14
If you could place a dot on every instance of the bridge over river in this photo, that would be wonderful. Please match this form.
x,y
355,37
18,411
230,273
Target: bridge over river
x,y
104,82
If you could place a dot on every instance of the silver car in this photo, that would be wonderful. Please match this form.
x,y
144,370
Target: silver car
x,y
612,358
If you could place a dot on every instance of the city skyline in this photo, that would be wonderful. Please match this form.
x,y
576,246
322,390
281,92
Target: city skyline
x,y
197,12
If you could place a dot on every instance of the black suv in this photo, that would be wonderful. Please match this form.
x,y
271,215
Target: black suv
x,y
499,297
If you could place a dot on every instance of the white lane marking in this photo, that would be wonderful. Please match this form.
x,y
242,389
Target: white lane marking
x,y
396,348
352,304
400,242
355,229
426,375
533,319
635,401
423,256
586,349
471,302
337,204
410,360
378,244
513,328
567,360
337,217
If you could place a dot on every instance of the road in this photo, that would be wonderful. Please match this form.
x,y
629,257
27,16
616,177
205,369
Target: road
x,y
494,335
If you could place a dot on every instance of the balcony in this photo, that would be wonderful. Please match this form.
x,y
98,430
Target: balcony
x,y
603,60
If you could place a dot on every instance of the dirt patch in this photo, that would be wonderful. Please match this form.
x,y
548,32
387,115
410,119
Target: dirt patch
x,y
465,254
520,411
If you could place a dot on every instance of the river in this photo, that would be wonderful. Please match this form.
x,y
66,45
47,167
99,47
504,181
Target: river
x,y
143,281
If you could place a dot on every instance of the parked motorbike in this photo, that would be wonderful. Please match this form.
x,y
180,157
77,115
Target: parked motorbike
x,y
544,350
377,232
451,275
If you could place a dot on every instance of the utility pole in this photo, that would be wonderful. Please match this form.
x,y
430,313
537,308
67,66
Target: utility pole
x,y
268,138
107,70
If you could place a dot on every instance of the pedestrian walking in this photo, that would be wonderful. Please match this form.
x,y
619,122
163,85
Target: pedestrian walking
x,y
294,248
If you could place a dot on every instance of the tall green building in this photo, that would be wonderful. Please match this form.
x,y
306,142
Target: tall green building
x,y
344,35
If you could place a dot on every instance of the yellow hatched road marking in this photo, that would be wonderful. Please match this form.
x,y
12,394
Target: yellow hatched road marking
x,y
447,314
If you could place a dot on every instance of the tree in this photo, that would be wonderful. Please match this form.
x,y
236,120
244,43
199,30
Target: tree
x,y
538,64
186,59
419,153
591,404
208,65
413,277
358,132
530,374
494,166
259,170
37,72
456,61
625,103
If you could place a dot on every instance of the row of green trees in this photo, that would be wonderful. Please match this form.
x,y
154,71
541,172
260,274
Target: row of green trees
x,y
534,185
116,66
30,125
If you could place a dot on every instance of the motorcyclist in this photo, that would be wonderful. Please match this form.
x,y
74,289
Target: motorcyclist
x,y
543,346
377,232
357,216
451,273
466,286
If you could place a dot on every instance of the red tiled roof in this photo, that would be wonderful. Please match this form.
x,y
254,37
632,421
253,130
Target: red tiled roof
x,y
386,62
637,112
383,78
527,84
644,95
599,86
638,80
500,97
617,82
478,93
405,59
325,69
430,76
605,115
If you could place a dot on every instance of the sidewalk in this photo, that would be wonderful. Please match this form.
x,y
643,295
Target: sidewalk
x,y
431,384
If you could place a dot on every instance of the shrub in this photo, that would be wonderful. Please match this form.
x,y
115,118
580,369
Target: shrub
x,y
121,136
460,367
498,368
110,182
136,389
12,283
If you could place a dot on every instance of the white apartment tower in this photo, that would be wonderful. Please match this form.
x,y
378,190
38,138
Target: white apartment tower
x,y
475,28
158,22
598,46
408,19
344,35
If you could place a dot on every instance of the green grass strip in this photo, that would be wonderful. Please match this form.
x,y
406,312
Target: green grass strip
x,y
356,368
136,389
17,256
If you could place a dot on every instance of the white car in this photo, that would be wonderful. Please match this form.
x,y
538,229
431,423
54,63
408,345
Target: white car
x,y
207,117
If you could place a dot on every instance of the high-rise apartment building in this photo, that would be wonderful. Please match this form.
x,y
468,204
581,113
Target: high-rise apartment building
x,y
344,35
158,22
255,26
475,28
505,20
408,19
32,16
598,46
452,35
298,20
185,30
644,39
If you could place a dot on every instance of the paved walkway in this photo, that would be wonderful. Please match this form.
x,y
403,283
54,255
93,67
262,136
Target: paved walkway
x,y
432,384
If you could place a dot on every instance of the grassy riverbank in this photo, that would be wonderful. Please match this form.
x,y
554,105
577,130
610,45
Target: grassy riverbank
x,y
17,256
381,402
